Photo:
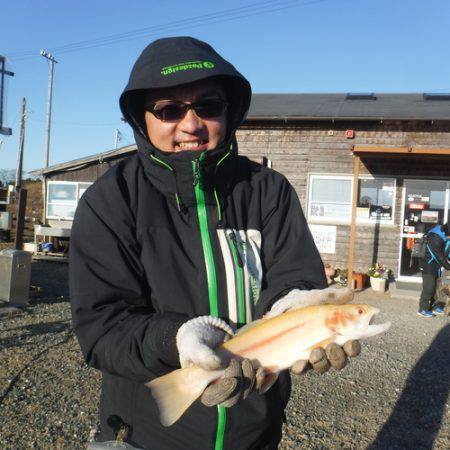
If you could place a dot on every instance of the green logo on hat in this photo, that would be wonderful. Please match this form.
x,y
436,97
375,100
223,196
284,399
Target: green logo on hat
x,y
189,65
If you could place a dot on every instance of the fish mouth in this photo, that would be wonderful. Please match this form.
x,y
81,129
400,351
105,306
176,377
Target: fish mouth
x,y
373,329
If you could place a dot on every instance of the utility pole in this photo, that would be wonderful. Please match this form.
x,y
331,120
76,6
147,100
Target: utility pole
x,y
21,145
3,72
117,138
51,60
22,193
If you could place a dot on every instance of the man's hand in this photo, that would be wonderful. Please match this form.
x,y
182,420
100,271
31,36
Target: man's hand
x,y
320,359
297,298
197,339
237,383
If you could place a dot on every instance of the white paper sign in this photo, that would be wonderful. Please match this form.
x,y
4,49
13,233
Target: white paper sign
x,y
324,237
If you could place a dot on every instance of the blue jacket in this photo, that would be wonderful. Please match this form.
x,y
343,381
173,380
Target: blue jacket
x,y
438,251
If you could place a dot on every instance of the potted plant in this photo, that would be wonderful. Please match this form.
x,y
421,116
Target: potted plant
x,y
341,276
379,275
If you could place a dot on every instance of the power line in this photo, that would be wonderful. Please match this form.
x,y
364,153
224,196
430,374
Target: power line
x,y
106,39
81,124
192,22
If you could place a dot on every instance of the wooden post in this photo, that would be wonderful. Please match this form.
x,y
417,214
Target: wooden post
x,y
351,251
22,203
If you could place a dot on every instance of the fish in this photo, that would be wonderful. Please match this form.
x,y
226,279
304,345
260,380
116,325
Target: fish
x,y
274,343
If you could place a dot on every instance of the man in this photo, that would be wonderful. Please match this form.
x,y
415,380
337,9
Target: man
x,y
176,247
436,256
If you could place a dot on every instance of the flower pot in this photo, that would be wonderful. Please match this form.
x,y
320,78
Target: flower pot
x,y
378,284
359,280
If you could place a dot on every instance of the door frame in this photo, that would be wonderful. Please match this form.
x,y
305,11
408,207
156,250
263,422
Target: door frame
x,y
413,279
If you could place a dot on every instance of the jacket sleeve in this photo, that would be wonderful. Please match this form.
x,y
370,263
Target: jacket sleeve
x,y
437,246
289,254
118,329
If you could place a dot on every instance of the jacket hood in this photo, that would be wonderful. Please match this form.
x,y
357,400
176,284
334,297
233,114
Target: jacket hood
x,y
174,61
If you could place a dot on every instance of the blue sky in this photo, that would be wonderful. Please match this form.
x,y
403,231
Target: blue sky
x,y
279,45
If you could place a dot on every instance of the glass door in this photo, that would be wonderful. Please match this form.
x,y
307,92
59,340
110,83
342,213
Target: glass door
x,y
425,204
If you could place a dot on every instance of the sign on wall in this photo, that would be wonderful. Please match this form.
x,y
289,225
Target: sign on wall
x,y
324,237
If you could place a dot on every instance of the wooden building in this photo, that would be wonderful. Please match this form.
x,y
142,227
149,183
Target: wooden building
x,y
397,145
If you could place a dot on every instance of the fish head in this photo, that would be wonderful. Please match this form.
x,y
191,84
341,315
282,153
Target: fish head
x,y
354,321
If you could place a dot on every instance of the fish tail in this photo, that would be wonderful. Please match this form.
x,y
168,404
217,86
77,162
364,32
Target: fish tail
x,y
176,391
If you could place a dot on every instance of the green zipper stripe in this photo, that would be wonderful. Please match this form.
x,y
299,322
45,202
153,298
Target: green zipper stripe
x,y
222,159
221,423
219,212
177,199
207,249
161,162
239,285
211,277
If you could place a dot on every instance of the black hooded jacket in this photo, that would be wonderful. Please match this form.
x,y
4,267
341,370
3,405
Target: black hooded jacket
x,y
164,237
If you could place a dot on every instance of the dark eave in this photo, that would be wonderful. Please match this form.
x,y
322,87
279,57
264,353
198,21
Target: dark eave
x,y
337,107
83,162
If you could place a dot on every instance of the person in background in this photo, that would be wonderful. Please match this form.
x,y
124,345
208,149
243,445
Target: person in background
x,y
176,247
436,257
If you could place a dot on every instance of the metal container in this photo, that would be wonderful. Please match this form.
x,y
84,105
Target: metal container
x,y
15,272
5,220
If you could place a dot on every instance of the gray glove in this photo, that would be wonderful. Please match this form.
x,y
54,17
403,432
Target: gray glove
x,y
321,360
237,383
297,299
197,339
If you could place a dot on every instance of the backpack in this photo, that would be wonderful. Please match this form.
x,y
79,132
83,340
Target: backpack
x,y
419,249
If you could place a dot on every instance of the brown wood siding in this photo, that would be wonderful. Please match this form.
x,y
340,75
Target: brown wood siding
x,y
297,150
300,149
89,173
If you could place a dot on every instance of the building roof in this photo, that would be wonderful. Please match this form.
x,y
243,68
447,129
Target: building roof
x,y
313,107
82,162
290,107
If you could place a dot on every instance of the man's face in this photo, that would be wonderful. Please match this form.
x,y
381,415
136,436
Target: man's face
x,y
191,132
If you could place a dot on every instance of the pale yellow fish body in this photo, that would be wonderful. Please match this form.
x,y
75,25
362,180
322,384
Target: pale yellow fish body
x,y
275,344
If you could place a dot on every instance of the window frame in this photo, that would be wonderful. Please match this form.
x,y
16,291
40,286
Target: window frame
x,y
343,220
59,202
311,179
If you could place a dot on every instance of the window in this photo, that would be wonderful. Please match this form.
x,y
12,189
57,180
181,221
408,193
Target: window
x,y
330,199
375,199
63,197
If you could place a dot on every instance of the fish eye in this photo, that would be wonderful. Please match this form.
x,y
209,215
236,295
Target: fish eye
x,y
360,311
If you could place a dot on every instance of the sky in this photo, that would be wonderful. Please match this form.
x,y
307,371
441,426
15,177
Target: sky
x,y
281,46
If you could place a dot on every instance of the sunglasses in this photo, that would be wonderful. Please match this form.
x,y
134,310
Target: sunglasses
x,y
172,110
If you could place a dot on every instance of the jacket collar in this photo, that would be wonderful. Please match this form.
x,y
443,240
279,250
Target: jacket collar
x,y
175,174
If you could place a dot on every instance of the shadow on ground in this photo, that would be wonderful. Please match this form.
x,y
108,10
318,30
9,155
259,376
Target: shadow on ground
x,y
31,331
53,280
417,416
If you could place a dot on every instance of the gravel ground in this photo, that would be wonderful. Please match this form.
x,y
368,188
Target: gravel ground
x,y
393,396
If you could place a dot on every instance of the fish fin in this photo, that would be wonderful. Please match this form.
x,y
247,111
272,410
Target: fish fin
x,y
341,340
303,355
323,343
268,382
176,391
248,326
